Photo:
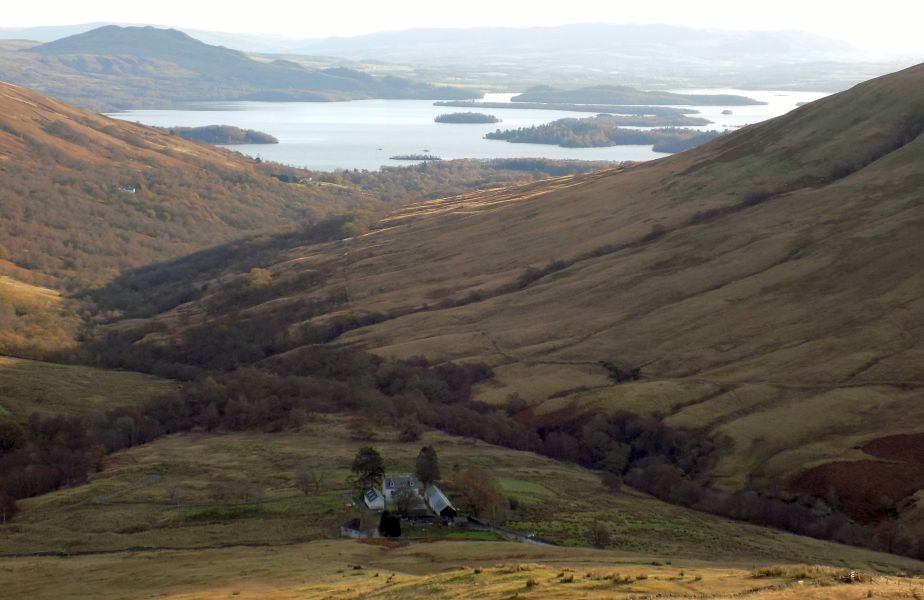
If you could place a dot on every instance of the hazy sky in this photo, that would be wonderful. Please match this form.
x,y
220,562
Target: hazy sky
x,y
881,26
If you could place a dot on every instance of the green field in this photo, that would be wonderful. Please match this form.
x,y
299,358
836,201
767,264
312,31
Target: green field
x,y
203,517
213,490
28,386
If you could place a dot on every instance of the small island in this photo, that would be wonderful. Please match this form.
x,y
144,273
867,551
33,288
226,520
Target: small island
x,y
602,131
222,135
414,157
466,117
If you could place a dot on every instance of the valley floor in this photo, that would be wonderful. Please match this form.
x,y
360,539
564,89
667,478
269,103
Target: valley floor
x,y
440,569
218,515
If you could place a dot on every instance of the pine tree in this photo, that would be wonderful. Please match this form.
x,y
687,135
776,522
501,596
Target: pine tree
x,y
428,466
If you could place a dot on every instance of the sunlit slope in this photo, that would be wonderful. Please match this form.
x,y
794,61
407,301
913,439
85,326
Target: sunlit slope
x,y
84,196
770,285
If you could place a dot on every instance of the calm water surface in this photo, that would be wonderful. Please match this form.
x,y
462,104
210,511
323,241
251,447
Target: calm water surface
x,y
363,134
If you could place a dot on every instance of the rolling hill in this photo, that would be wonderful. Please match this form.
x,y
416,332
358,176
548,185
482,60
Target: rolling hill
x,y
768,285
114,67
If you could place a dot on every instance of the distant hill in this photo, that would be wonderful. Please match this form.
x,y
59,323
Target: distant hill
x,y
623,94
578,54
432,45
119,67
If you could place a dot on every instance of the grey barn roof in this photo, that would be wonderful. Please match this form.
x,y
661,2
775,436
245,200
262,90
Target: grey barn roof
x,y
438,500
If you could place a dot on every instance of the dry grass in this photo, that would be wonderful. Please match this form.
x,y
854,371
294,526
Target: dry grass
x,y
353,570
199,490
34,319
28,386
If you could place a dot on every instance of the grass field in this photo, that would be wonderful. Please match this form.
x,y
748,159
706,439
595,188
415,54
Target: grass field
x,y
208,490
443,569
28,386
208,516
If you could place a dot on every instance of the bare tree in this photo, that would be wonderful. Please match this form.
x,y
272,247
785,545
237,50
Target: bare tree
x,y
599,536
406,501
308,479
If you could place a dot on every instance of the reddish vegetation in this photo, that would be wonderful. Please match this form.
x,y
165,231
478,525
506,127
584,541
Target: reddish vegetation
x,y
907,447
868,490
555,418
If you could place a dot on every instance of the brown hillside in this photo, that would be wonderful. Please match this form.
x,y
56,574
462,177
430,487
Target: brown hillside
x,y
769,284
69,210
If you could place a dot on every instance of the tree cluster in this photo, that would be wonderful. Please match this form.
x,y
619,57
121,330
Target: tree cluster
x,y
604,130
466,117
223,135
46,453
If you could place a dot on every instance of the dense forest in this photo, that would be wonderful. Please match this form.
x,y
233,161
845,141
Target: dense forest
x,y
603,130
437,179
620,94
223,135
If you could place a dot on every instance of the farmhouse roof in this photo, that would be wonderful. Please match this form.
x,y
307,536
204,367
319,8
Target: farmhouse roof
x,y
438,500
400,483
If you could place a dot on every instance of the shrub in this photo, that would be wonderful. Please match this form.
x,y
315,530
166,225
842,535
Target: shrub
x,y
390,525
308,478
410,432
599,536
8,507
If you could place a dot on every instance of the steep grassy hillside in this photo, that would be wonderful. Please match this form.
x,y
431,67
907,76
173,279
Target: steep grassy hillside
x,y
84,196
769,285
35,320
30,386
